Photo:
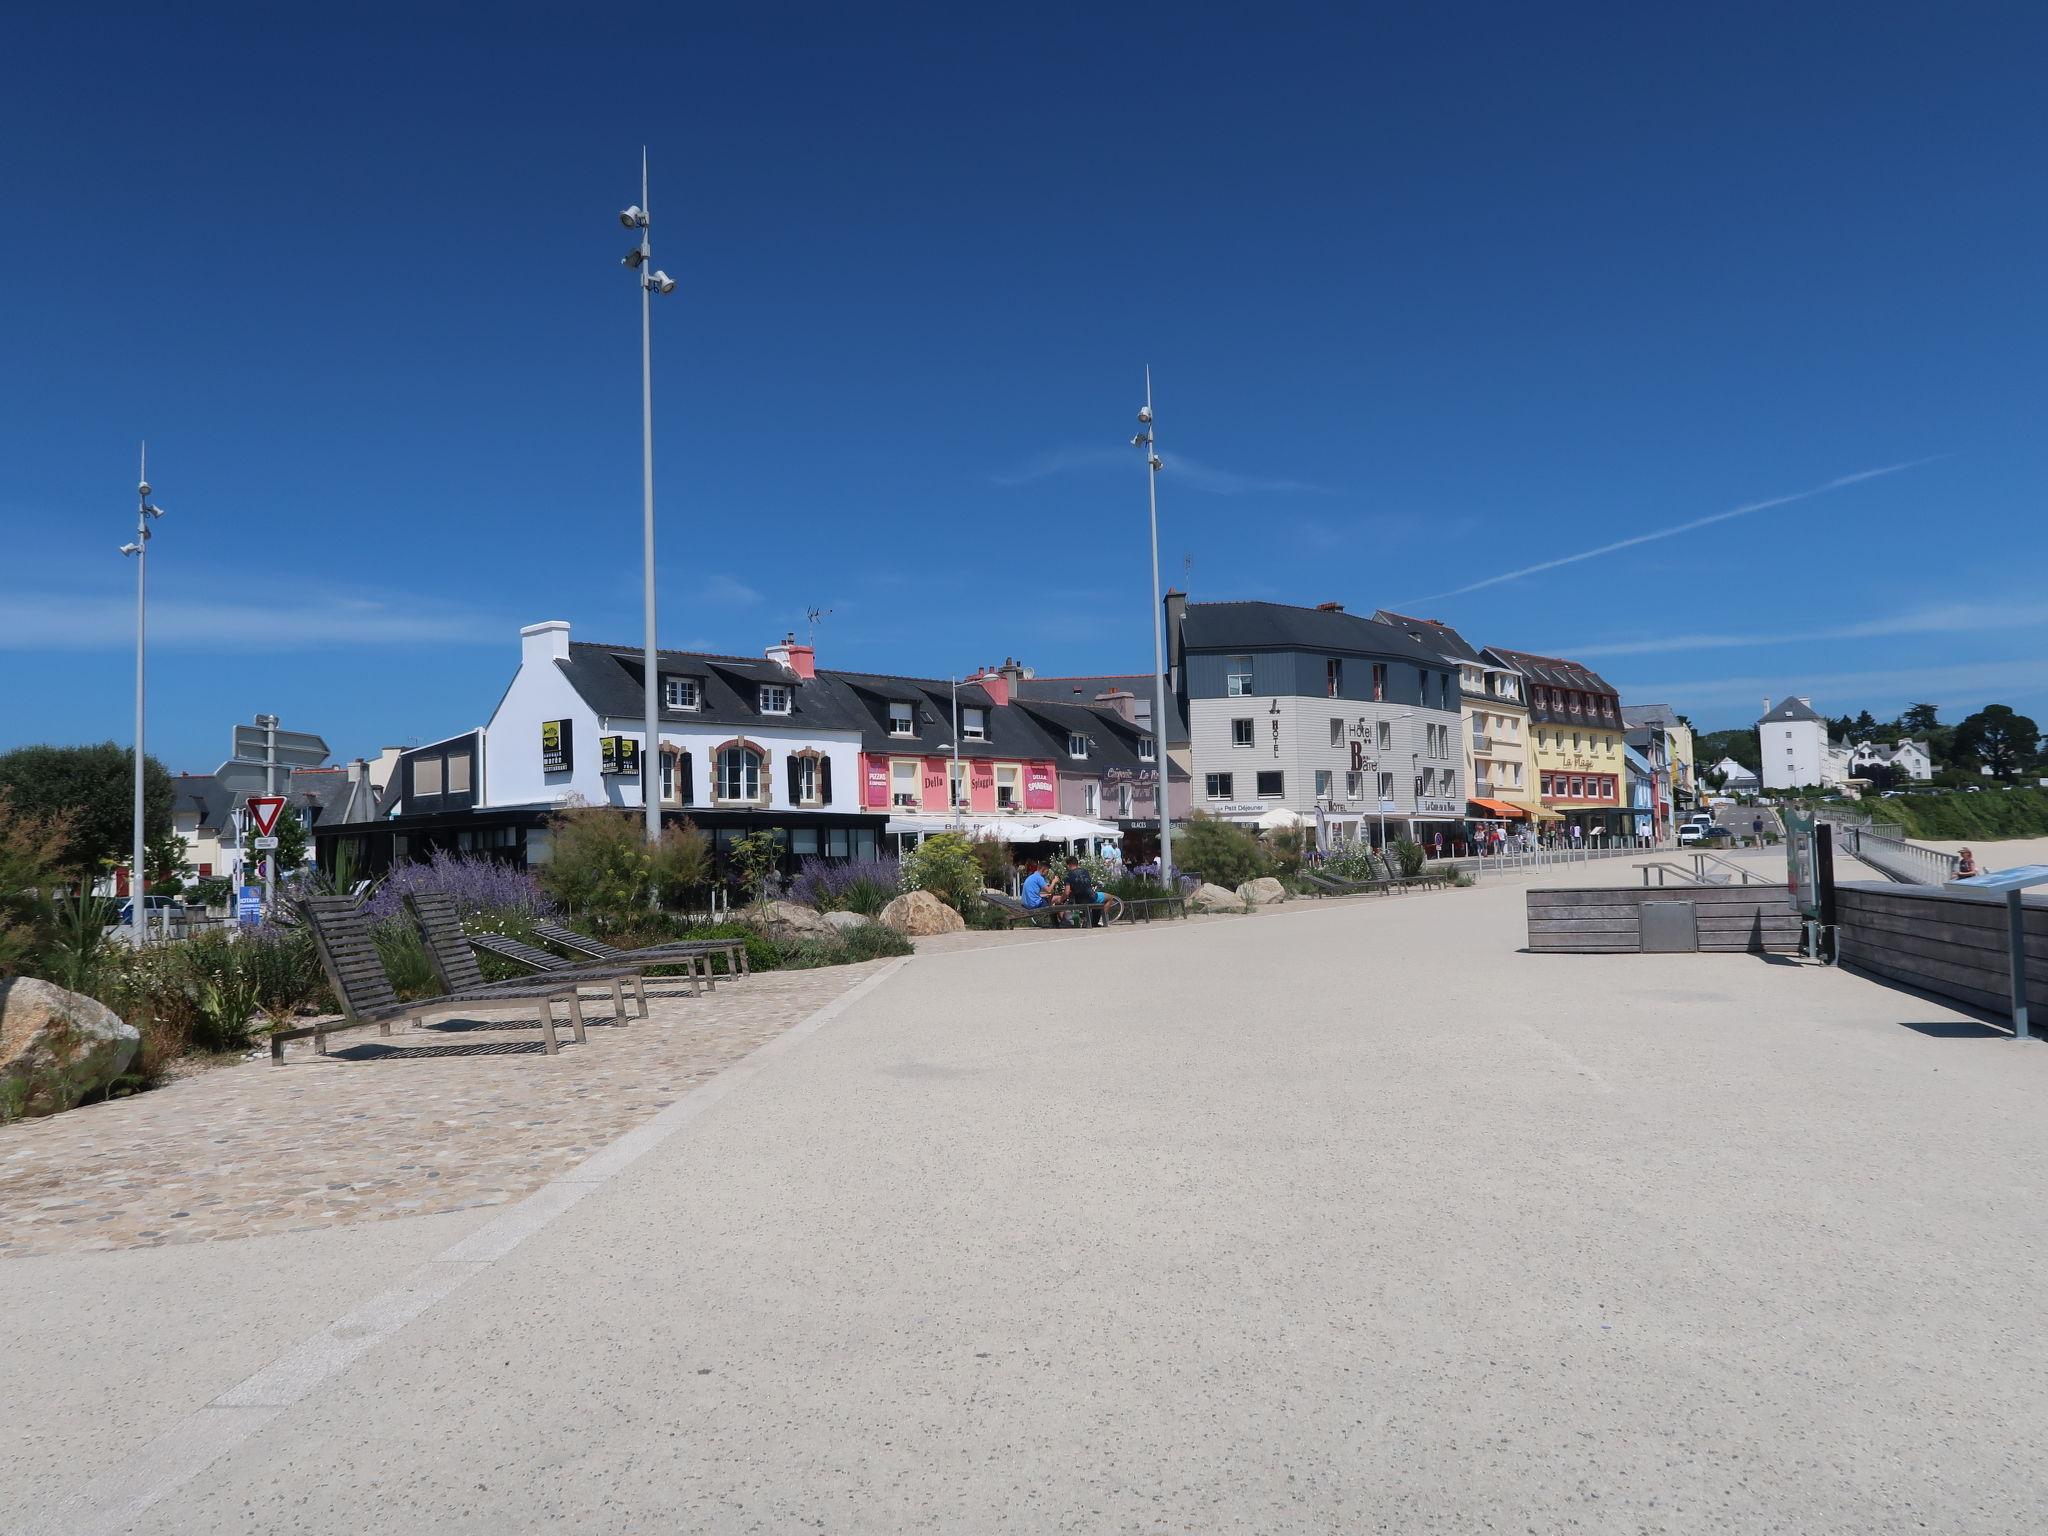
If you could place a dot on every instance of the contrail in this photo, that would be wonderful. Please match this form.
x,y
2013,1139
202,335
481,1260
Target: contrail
x,y
1709,520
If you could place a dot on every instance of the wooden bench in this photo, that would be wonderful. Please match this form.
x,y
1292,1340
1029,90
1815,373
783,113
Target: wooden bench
x,y
346,940
693,955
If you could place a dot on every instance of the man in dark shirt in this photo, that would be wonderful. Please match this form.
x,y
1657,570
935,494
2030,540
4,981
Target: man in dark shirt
x,y
1081,891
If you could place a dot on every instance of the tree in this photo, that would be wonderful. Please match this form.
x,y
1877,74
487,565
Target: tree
x,y
681,863
1998,738
164,862
291,842
597,861
1224,853
754,858
1866,726
1740,745
33,849
1881,776
94,787
1918,719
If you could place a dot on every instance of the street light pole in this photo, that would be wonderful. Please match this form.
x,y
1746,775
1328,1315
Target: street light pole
x,y
953,774
1164,801
638,260
138,909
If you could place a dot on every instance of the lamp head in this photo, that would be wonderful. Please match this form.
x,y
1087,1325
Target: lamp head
x,y
152,509
633,258
1157,462
131,549
1145,413
633,217
142,489
661,282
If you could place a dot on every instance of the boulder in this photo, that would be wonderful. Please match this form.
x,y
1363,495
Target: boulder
x,y
1214,898
789,920
1262,892
918,913
57,1048
843,922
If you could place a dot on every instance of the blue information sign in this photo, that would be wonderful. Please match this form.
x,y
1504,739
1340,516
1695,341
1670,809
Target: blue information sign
x,y
249,907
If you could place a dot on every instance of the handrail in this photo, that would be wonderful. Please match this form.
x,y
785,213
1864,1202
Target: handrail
x,y
1903,862
1701,860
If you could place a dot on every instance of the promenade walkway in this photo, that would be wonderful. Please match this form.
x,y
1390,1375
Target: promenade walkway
x,y
1348,1217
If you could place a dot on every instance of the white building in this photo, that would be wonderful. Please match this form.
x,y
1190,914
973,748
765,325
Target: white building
x,y
1915,759
1797,749
1736,779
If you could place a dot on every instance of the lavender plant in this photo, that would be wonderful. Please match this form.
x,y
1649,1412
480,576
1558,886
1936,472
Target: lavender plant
x,y
854,885
478,884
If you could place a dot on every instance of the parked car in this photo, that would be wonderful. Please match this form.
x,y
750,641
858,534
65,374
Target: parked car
x,y
1691,832
160,910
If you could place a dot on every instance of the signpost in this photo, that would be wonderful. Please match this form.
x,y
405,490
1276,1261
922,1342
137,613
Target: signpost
x,y
2012,882
256,754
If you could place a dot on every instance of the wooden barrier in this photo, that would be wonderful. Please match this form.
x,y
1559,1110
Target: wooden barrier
x,y
1608,919
1946,942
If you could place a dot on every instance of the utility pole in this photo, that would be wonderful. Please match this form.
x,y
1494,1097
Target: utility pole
x,y
1146,439
651,283
138,906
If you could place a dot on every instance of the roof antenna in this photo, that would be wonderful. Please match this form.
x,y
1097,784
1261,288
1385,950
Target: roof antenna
x,y
814,615
1187,570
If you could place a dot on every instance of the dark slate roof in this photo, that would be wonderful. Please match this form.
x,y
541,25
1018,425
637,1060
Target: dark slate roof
x,y
201,792
609,677
1648,714
1085,690
325,790
1283,626
1792,708
1112,740
1435,634
1009,735
1555,671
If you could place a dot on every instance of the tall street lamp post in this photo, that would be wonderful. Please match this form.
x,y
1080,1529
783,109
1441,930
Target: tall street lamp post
x,y
138,909
1153,464
638,260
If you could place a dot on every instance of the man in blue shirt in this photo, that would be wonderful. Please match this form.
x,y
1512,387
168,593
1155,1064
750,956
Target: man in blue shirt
x,y
1034,886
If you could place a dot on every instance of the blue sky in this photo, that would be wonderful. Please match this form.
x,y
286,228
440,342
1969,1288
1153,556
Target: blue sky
x,y
1433,301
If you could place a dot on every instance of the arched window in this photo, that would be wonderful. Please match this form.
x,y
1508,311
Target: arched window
x,y
739,771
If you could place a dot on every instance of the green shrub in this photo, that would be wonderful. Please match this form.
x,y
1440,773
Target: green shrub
x,y
1220,852
1411,856
75,950
874,942
404,954
598,861
753,859
945,865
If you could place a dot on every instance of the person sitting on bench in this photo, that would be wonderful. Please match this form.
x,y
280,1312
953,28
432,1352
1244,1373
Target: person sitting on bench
x,y
1034,885
1081,891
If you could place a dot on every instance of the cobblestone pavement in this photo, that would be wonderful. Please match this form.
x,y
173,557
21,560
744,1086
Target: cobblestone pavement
x,y
464,1113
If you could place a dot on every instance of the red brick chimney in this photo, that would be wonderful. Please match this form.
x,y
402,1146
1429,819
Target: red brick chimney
x,y
995,682
800,661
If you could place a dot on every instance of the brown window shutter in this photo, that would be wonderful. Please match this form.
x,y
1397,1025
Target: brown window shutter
x,y
824,781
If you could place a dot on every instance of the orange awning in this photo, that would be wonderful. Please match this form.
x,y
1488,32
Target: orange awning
x,y
1505,808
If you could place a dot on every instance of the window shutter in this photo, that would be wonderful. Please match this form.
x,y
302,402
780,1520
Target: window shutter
x,y
683,780
794,797
824,781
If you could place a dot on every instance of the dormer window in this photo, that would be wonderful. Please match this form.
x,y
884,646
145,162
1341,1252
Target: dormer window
x,y
774,699
682,693
1077,744
902,718
974,723
1148,749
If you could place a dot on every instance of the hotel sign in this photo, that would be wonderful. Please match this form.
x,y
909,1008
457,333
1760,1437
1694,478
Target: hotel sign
x,y
1439,805
557,751
1239,808
619,754
1131,776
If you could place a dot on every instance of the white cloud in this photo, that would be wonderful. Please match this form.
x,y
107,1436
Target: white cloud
x,y
728,590
1180,470
1955,618
1965,685
1836,484
59,623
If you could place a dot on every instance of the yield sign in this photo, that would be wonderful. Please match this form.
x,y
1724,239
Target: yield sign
x,y
263,810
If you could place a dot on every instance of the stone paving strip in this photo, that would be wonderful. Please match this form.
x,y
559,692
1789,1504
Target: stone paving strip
x,y
463,1114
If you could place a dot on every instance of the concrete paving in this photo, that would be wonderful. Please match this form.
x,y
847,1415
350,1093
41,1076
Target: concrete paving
x,y
1345,1218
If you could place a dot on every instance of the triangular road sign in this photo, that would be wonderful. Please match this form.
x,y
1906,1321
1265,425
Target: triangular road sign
x,y
263,810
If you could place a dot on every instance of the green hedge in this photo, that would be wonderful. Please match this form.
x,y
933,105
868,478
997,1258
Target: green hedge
x,y
1993,814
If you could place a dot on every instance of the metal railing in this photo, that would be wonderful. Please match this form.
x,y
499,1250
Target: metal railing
x,y
1704,871
1901,861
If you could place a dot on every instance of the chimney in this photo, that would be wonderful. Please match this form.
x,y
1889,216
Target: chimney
x,y
997,683
544,642
800,661
362,794
1123,701
1176,612
1013,674
1329,607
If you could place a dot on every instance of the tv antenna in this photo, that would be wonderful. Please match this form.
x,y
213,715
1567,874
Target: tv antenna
x,y
813,615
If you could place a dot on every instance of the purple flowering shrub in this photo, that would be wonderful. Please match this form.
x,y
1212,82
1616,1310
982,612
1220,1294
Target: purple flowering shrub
x,y
478,884
853,885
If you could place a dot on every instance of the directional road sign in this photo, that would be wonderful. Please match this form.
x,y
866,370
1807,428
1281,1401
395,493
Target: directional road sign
x,y
295,749
265,844
263,811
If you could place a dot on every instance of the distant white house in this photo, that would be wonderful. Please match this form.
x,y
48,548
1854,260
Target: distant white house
x,y
1797,749
1739,780
1910,757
